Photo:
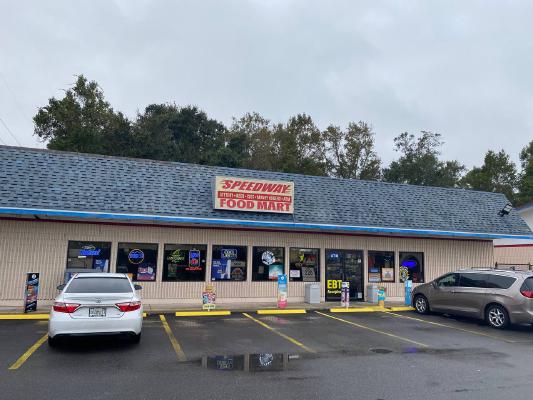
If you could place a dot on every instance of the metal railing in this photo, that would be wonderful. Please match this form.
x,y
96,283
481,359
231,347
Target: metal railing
x,y
514,267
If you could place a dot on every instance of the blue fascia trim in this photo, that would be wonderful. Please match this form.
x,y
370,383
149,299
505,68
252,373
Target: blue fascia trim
x,y
254,224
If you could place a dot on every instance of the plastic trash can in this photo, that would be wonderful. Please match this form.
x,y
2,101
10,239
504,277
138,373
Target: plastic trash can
x,y
372,293
312,293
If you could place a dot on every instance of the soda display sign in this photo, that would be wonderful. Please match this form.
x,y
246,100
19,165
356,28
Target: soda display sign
x,y
257,195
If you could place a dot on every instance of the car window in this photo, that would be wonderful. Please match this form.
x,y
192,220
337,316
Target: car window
x,y
527,285
474,280
500,281
448,280
99,285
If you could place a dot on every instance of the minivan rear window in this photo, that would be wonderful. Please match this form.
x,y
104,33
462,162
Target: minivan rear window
x,y
500,281
527,285
99,285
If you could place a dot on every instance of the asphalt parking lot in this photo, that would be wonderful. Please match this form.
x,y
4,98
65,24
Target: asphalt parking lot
x,y
379,355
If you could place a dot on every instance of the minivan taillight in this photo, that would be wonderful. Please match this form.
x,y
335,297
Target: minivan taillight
x,y
527,293
68,308
130,306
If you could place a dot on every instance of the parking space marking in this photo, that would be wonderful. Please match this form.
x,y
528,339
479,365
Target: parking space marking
x,y
374,330
284,336
17,364
175,345
450,327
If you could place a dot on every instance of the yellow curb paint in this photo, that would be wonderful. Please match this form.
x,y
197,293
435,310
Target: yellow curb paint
x,y
24,316
400,308
450,327
29,352
201,313
284,336
374,330
274,312
357,309
175,344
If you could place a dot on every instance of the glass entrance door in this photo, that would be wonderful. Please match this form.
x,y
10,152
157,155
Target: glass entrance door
x,y
344,266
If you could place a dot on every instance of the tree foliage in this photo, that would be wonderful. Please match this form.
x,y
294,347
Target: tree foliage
x,y
83,121
351,153
497,174
419,163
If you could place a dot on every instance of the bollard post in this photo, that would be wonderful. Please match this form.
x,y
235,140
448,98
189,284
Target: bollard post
x,y
408,289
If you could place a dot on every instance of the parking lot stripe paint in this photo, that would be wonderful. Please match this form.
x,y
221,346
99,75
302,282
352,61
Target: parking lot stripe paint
x,y
450,326
357,309
284,336
400,308
202,313
374,330
29,352
177,348
275,312
24,316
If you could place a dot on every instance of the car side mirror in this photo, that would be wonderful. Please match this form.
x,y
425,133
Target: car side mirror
x,y
137,287
61,287
434,284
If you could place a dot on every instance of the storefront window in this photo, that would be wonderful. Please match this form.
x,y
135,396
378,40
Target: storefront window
x,y
90,255
412,267
304,265
184,262
229,263
380,266
268,263
139,260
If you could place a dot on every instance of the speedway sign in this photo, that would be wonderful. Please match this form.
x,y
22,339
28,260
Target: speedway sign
x,y
257,195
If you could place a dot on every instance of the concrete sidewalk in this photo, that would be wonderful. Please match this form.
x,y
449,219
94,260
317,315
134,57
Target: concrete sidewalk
x,y
235,307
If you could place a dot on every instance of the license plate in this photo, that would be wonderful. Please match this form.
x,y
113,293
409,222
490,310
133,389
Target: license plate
x,y
97,312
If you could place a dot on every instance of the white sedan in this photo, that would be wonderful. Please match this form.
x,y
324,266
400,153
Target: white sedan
x,y
99,303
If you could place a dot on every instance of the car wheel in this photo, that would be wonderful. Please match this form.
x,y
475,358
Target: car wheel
x,y
421,304
52,342
136,338
497,316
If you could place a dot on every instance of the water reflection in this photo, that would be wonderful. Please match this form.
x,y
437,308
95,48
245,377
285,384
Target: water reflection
x,y
256,362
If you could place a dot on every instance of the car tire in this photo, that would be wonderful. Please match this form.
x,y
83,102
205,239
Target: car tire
x,y
52,342
497,317
421,304
136,338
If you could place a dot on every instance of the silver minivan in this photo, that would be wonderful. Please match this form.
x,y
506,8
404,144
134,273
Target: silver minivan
x,y
500,297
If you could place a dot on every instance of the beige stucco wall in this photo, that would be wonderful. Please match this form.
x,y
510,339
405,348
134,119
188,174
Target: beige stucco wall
x,y
42,247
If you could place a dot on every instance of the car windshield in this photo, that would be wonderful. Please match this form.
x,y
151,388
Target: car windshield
x,y
99,285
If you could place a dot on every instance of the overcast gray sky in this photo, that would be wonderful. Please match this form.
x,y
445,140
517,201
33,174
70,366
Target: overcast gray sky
x,y
460,68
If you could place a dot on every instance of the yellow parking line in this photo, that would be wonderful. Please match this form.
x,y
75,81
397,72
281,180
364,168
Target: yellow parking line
x,y
400,308
173,340
450,327
29,352
373,329
275,312
24,316
284,336
202,313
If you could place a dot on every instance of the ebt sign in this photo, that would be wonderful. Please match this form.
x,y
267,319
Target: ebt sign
x,y
246,194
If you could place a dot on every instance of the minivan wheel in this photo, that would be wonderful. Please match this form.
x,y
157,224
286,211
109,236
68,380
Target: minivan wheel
x,y
421,304
497,316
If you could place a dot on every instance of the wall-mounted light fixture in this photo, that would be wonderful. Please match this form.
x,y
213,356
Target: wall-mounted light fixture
x,y
505,210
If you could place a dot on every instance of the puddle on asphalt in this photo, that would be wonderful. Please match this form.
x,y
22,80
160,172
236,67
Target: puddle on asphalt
x,y
253,362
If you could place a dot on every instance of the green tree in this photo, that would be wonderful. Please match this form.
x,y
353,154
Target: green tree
x,y
83,121
351,153
299,147
251,140
525,183
497,174
185,134
419,163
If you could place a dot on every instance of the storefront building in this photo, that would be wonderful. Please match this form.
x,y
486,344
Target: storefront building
x,y
177,227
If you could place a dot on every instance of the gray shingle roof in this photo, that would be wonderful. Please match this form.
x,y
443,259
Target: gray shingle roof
x,y
44,179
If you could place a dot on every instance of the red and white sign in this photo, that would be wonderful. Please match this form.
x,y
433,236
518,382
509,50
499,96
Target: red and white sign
x,y
247,194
